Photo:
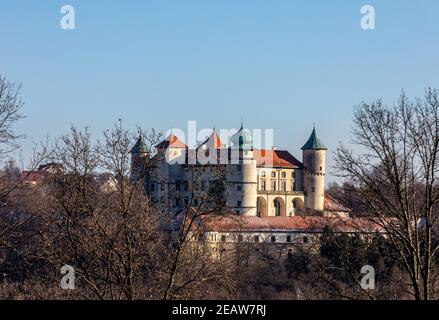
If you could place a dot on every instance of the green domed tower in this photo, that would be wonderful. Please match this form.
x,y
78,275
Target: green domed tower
x,y
139,155
242,174
242,139
314,162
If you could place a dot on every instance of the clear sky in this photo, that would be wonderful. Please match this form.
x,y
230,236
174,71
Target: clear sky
x,y
278,64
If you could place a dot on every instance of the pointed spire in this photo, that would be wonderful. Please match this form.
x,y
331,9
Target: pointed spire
x,y
314,142
213,140
139,146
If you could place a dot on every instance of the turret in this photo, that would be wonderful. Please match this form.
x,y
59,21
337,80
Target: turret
x,y
314,162
139,155
242,175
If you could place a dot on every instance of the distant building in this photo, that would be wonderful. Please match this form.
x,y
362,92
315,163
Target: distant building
x,y
36,177
107,182
51,167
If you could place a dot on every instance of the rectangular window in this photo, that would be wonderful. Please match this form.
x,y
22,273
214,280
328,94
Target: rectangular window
x,y
293,174
273,185
313,189
262,173
256,238
305,239
239,188
273,174
263,185
283,185
238,203
200,237
273,239
283,174
293,185
223,238
288,238
152,187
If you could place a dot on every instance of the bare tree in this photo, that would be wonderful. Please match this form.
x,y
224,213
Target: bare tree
x,y
15,219
10,113
396,175
194,265
110,236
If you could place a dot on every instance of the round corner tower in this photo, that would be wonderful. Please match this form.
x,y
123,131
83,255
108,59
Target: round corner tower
x,y
314,162
242,175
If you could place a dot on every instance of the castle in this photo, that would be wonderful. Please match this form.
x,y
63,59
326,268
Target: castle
x,y
255,182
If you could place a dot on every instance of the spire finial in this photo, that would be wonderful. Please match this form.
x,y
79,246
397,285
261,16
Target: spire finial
x,y
214,127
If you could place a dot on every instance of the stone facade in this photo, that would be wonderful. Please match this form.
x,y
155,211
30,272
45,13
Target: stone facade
x,y
254,182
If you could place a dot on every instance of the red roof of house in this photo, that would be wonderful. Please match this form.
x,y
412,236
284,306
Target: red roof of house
x,y
33,176
234,223
276,158
330,204
171,141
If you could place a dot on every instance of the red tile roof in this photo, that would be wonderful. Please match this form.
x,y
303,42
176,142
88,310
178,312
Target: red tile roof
x,y
213,141
171,141
234,223
33,176
276,158
330,204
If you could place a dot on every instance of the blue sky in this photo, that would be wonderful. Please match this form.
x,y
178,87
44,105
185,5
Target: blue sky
x,y
278,64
